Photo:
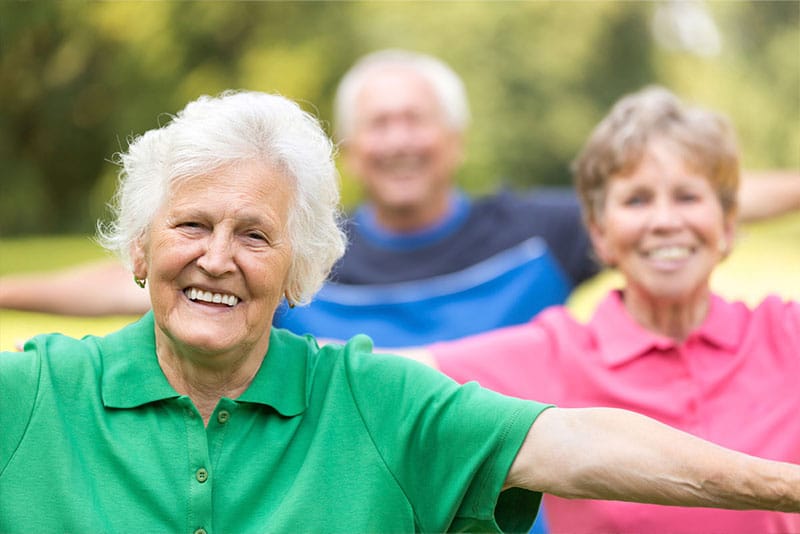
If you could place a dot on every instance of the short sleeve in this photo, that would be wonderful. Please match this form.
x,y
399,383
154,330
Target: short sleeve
x,y
19,383
449,447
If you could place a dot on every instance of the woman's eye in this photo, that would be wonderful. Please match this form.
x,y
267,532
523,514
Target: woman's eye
x,y
256,236
635,200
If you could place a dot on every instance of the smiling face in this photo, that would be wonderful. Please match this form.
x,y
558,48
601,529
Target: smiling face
x,y
216,257
402,149
662,225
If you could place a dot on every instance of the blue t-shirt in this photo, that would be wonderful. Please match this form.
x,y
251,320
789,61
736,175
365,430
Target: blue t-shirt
x,y
493,262
473,231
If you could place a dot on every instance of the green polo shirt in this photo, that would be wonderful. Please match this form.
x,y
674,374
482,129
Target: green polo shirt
x,y
334,439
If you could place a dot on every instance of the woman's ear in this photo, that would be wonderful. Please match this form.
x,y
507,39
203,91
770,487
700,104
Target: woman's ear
x,y
600,243
139,258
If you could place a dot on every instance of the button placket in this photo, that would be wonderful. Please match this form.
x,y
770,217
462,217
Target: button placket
x,y
199,473
218,426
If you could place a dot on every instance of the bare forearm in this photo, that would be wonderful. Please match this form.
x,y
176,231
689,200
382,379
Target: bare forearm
x,y
94,289
600,453
30,293
766,194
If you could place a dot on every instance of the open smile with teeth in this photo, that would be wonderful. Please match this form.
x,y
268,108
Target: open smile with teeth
x,y
669,253
207,296
402,163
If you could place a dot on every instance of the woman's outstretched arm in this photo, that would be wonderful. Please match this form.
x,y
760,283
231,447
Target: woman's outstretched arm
x,y
612,454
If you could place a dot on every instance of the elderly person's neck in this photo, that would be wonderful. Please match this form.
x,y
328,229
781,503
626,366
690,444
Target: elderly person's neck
x,y
206,378
406,218
672,318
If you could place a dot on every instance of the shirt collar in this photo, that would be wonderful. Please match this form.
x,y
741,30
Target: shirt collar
x,y
282,380
131,373
621,338
132,376
725,324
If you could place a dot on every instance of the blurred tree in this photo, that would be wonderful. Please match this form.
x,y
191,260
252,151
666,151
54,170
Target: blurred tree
x,y
53,70
79,79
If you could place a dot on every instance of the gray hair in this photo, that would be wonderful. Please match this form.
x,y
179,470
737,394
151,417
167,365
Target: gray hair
x,y
704,138
214,132
446,84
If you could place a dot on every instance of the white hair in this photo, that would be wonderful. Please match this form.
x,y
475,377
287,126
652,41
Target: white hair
x,y
446,85
214,132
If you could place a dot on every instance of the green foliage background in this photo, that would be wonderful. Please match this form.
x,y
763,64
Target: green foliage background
x,y
79,79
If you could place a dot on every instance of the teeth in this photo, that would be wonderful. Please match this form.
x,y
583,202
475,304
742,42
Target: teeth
x,y
669,253
402,163
207,296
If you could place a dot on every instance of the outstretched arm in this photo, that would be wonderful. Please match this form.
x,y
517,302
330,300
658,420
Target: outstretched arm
x,y
102,288
606,453
764,194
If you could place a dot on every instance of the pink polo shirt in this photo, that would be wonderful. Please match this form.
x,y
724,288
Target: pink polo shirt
x,y
735,382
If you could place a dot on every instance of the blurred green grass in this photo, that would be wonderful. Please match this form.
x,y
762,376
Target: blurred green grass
x,y
766,260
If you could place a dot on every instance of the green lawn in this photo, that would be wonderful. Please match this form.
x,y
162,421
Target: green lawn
x,y
765,260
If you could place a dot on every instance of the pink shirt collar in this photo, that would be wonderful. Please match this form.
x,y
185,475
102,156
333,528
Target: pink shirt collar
x,y
620,339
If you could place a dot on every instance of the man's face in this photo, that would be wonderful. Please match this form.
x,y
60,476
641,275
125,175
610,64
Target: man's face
x,y
402,149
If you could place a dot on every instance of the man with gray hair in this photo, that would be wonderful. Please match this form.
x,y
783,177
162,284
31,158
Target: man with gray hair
x,y
425,262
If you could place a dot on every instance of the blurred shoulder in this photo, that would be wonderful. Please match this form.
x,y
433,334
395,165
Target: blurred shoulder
x,y
774,318
770,307
777,310
548,200
559,322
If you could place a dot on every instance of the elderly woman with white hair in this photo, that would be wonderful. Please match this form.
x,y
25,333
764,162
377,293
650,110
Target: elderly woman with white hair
x,y
201,417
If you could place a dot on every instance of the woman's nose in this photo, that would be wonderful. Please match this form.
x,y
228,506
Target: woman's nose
x,y
217,259
665,214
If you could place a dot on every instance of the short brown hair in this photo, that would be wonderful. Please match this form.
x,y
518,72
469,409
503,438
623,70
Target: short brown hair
x,y
616,146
